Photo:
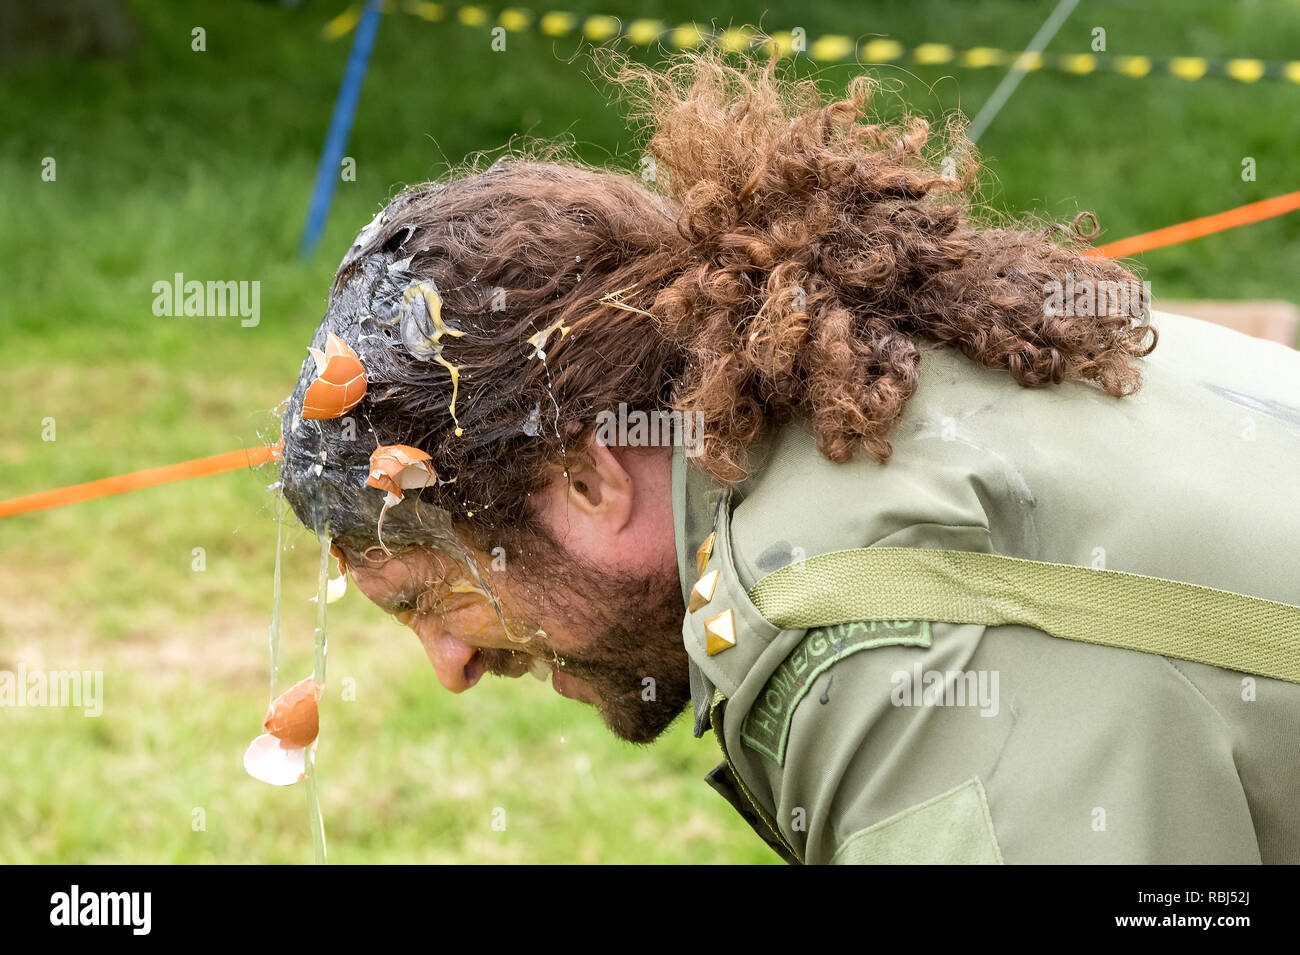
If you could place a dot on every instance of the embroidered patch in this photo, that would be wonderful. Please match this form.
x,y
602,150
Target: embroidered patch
x,y
954,828
767,723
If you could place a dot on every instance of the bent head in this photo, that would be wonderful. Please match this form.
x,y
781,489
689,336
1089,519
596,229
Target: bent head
x,y
781,261
534,546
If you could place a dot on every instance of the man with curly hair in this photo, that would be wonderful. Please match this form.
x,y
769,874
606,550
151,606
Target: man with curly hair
x,y
903,506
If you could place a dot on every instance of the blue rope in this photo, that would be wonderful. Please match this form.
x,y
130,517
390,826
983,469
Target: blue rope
x,y
336,140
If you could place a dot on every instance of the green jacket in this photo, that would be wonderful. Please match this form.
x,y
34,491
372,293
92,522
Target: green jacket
x,y
930,741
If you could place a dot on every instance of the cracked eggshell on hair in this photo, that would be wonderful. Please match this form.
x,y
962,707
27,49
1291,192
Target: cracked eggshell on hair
x,y
399,467
340,381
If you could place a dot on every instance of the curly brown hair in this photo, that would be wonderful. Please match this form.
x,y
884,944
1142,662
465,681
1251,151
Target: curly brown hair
x,y
774,256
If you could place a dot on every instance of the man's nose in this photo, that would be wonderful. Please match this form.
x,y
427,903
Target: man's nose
x,y
449,657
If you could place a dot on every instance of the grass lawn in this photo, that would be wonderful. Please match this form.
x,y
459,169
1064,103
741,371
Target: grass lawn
x,y
170,160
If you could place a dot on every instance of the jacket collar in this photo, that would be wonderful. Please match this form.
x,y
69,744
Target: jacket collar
x,y
702,507
695,504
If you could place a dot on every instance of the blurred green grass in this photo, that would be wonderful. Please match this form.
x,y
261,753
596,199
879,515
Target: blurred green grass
x,y
172,161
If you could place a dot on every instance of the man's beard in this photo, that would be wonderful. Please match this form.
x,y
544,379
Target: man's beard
x,y
637,661
632,653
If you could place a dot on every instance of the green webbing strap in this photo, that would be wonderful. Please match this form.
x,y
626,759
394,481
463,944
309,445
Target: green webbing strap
x,y
1105,607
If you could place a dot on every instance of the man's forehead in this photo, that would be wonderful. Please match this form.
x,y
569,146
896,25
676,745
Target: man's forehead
x,y
427,567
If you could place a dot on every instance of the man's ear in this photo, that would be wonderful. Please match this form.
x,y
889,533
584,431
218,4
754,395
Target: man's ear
x,y
600,488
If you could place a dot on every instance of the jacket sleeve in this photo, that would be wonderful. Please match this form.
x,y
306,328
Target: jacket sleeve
x,y
991,745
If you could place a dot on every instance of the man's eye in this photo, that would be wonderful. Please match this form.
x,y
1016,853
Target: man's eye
x,y
403,606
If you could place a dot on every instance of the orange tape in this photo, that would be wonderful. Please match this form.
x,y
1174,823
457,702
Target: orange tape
x,y
216,464
1186,231
250,457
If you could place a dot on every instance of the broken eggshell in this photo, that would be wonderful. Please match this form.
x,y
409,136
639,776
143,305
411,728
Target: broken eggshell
x,y
398,467
292,723
395,468
275,762
340,383
294,716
